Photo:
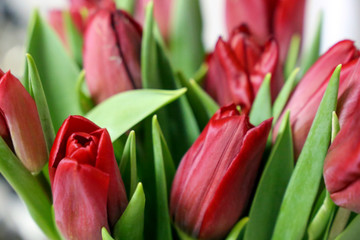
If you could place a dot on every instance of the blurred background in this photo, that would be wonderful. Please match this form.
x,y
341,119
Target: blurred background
x,y
340,20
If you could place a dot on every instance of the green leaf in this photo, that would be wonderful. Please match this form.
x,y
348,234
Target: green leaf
x,y
73,37
238,230
122,111
313,51
335,126
57,71
127,5
131,223
284,95
305,180
164,174
271,188
86,103
127,166
29,189
203,106
41,103
149,73
261,108
321,222
292,56
177,119
105,234
187,50
352,231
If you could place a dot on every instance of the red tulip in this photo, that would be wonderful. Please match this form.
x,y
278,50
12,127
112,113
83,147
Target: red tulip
x,y
87,188
162,14
238,67
112,45
216,176
307,96
20,125
280,18
341,168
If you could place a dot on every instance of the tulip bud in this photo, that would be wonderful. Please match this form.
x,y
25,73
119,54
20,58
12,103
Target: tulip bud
x,y
162,14
307,96
20,125
112,45
238,67
341,167
282,19
87,188
216,176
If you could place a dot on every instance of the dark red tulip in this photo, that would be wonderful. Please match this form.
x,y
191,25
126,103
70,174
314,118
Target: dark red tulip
x,y
238,67
20,125
216,176
279,18
307,96
87,188
341,168
112,45
162,14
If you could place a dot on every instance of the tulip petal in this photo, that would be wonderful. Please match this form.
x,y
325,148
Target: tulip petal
x,y
319,73
227,202
106,162
227,81
268,63
71,124
256,14
20,114
80,197
129,35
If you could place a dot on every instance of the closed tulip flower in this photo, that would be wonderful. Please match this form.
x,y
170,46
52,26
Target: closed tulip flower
x,y
112,45
20,125
216,176
88,191
238,67
279,18
307,96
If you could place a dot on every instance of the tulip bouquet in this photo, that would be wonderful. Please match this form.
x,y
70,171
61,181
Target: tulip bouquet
x,y
123,128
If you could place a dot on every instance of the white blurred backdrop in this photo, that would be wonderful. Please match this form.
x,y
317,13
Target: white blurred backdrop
x,y
341,20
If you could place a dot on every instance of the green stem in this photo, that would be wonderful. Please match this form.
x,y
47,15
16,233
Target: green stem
x,y
340,221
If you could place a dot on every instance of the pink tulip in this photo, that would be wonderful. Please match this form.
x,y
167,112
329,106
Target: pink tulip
x,y
216,176
238,67
279,18
112,45
20,125
87,188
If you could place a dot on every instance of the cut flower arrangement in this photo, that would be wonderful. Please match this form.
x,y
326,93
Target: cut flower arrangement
x,y
122,127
